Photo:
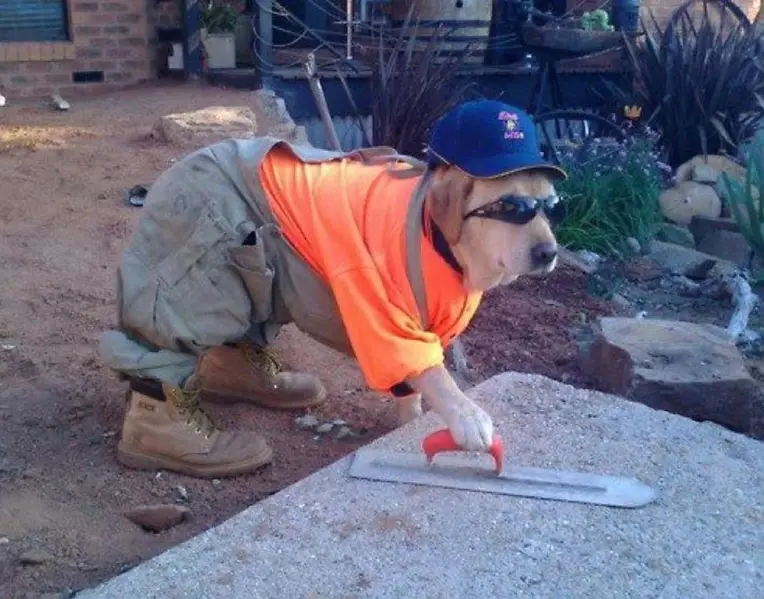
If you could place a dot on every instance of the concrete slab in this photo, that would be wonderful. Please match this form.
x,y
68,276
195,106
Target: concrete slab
x,y
332,536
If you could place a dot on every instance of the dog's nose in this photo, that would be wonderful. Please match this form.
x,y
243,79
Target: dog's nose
x,y
543,254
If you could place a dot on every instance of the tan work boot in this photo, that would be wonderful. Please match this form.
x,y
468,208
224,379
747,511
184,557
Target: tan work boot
x,y
248,374
176,434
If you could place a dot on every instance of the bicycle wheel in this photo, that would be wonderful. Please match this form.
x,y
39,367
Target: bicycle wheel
x,y
561,126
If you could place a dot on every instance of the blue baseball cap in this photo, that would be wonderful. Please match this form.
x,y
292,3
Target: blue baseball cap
x,y
488,139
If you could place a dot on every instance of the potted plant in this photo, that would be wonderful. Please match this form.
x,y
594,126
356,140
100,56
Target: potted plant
x,y
218,34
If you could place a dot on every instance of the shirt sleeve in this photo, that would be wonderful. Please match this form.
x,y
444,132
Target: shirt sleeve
x,y
389,344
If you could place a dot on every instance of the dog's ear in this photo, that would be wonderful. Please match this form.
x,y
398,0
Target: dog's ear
x,y
446,199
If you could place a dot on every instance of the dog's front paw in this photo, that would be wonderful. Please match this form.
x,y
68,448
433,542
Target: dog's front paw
x,y
471,427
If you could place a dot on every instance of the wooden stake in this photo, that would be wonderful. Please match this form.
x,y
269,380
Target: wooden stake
x,y
320,98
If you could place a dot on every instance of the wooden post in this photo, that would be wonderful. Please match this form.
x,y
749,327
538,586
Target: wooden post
x,y
320,98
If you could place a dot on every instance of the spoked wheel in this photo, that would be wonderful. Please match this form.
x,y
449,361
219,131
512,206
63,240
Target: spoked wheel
x,y
558,128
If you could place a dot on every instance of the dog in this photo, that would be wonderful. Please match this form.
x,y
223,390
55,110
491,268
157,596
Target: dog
x,y
380,256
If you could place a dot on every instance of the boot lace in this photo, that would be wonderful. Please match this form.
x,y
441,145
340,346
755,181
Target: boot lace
x,y
262,360
188,404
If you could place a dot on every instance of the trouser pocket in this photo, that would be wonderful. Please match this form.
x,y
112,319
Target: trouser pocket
x,y
251,263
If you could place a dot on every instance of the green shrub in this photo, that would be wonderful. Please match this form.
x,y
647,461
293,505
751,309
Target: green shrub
x,y
219,17
744,199
700,80
611,193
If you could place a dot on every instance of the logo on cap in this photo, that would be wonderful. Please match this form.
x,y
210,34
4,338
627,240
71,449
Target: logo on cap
x,y
511,125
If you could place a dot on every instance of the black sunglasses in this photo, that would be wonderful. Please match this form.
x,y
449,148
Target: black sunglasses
x,y
520,210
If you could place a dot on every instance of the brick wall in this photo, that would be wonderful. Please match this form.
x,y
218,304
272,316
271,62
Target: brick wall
x,y
115,37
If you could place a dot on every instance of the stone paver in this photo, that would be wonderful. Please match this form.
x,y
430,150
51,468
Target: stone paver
x,y
332,536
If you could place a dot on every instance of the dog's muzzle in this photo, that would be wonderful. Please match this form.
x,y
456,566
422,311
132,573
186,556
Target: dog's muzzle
x,y
543,256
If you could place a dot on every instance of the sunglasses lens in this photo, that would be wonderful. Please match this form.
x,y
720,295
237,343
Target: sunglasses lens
x,y
517,211
556,212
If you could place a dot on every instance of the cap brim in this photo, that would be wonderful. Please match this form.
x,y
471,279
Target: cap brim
x,y
503,166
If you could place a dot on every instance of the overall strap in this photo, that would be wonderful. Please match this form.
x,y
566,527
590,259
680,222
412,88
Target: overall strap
x,y
414,250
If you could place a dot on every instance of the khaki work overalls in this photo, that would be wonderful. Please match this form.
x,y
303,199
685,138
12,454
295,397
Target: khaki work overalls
x,y
186,283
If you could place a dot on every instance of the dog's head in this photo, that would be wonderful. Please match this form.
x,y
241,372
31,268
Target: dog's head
x,y
493,226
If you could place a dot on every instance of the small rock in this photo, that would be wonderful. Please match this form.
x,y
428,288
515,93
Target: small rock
x,y
572,259
676,234
4,540
704,173
2,100
554,303
306,422
344,432
633,245
324,428
217,483
621,302
182,492
591,259
688,288
59,103
679,260
34,557
339,423
159,517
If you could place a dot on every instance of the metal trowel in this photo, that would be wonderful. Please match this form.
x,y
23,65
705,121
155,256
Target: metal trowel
x,y
461,472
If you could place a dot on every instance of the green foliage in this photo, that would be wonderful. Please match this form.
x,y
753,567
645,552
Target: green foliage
x,y
611,194
415,79
596,20
219,17
700,82
744,199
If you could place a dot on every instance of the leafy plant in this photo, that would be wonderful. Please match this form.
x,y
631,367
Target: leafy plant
x,y
745,199
596,20
611,193
700,83
219,17
413,83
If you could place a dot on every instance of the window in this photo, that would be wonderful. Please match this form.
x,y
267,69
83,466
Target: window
x,y
33,21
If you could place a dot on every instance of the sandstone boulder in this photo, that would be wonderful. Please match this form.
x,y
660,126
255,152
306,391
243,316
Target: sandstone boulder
x,y
675,234
694,370
267,116
720,237
681,260
708,169
688,199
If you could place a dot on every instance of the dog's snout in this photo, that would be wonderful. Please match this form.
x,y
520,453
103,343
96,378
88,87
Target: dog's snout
x,y
543,254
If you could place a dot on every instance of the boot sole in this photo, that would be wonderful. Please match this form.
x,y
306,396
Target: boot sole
x,y
224,396
140,461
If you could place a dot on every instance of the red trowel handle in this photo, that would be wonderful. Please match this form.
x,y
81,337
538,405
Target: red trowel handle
x,y
442,440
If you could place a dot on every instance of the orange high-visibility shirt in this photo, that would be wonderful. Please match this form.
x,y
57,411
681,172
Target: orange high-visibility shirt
x,y
347,221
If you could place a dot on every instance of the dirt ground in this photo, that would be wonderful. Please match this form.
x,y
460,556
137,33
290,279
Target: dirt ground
x,y
64,222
